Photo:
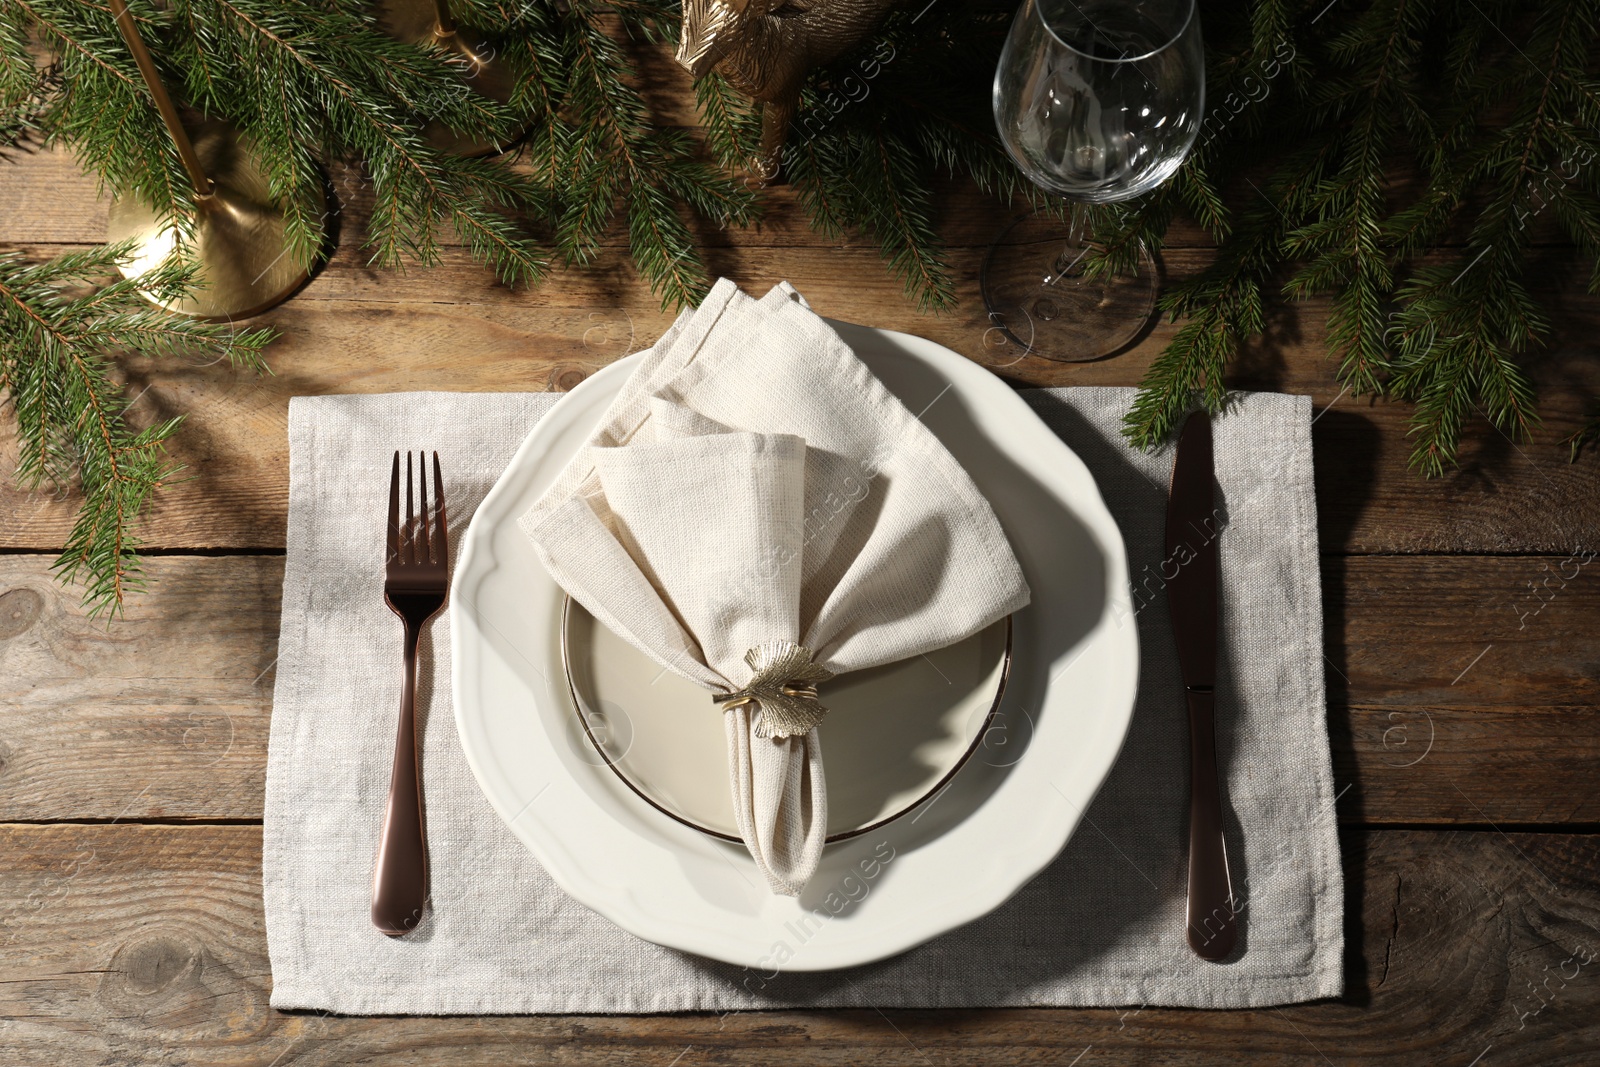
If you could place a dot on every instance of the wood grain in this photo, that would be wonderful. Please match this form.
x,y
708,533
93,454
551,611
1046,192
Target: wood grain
x,y
164,715
1427,764
161,715
124,944
1459,631
358,330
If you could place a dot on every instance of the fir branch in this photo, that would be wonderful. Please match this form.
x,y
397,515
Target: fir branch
x,y
58,340
306,81
1225,303
874,129
900,217
1588,434
1342,245
1495,102
615,157
354,91
1459,326
1483,317
732,124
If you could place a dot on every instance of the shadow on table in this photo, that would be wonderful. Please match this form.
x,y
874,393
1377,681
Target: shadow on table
x,y
1132,845
1345,450
1132,842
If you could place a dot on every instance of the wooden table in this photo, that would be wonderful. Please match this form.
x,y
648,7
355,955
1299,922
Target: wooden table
x,y
1463,670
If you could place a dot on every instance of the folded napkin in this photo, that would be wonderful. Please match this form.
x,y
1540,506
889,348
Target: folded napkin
x,y
757,513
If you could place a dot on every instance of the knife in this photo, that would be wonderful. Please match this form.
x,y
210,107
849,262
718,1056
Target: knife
x,y
1192,528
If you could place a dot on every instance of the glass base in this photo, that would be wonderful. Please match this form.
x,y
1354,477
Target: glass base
x,y
1040,304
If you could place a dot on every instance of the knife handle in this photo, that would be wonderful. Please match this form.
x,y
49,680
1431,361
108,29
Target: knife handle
x,y
1212,921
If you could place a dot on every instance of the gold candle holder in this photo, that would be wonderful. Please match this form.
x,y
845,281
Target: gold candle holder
x,y
237,232
429,22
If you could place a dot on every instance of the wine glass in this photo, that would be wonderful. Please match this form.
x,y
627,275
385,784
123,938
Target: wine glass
x,y
1096,101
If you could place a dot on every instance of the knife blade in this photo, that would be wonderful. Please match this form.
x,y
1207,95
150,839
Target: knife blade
x,y
1193,525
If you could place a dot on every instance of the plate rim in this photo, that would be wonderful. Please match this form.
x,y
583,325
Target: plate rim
x,y
1027,855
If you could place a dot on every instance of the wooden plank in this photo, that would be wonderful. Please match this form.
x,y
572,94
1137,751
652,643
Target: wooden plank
x,y
1513,765
1454,632
164,715
357,330
46,197
130,943
161,715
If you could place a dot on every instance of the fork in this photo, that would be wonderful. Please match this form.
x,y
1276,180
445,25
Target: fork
x,y
416,578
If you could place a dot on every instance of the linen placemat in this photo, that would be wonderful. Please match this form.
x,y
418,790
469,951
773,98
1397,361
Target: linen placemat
x,y
1103,925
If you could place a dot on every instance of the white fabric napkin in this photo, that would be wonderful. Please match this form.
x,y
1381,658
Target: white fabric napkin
x,y
753,482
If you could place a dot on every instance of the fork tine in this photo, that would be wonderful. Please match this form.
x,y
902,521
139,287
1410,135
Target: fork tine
x,y
392,542
424,544
438,502
408,543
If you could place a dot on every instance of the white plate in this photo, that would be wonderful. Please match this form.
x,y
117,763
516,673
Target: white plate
x,y
1004,816
895,733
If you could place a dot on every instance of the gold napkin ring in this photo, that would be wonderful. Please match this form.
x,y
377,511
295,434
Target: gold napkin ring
x,y
784,687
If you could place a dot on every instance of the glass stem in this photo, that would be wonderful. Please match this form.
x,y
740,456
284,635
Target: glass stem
x,y
1076,249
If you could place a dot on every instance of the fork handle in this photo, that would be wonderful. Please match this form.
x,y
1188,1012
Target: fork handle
x,y
400,876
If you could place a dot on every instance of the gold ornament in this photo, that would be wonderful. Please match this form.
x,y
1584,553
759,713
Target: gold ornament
x,y
784,687
765,48
236,231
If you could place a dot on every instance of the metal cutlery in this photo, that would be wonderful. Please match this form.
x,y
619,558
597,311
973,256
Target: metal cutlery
x,y
1192,528
416,579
